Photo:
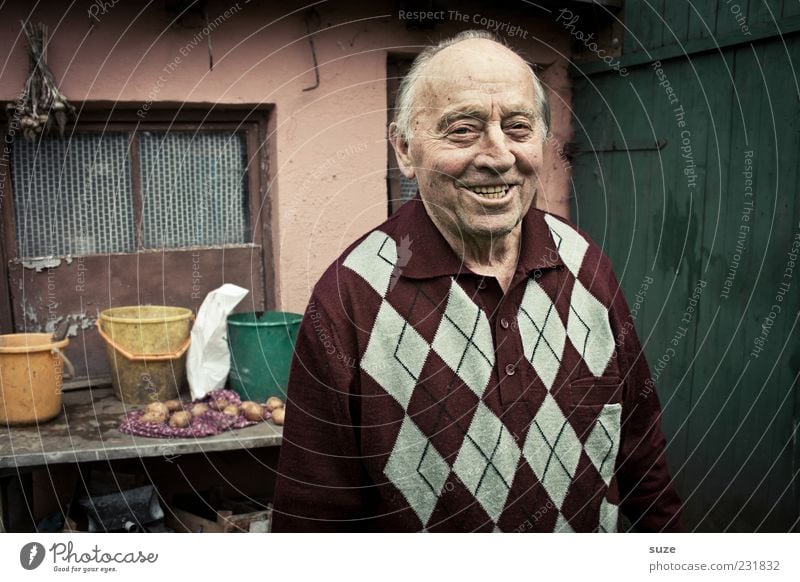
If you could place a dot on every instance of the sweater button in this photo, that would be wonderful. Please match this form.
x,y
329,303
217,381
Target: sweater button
x,y
482,285
511,369
504,323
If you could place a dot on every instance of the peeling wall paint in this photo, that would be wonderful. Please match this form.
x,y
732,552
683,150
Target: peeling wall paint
x,y
31,316
40,264
77,321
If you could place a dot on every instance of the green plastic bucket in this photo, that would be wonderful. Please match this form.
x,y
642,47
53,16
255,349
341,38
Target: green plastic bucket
x,y
261,345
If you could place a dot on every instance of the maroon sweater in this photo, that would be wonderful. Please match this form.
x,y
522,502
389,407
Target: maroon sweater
x,y
421,397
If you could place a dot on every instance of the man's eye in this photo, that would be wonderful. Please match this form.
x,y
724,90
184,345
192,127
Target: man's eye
x,y
462,130
520,130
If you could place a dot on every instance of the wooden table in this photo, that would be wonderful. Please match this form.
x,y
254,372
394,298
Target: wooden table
x,y
86,431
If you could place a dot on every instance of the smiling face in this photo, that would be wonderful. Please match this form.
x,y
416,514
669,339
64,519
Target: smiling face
x,y
475,145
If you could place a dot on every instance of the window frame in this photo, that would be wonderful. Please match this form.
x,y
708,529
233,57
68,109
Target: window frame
x,y
255,120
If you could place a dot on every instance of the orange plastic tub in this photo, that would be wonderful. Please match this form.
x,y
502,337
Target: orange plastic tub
x,y
31,374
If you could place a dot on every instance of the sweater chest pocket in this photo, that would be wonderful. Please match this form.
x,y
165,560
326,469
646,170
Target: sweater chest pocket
x,y
595,392
597,415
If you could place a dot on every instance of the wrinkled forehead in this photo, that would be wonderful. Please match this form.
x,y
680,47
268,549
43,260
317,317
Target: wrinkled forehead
x,y
476,73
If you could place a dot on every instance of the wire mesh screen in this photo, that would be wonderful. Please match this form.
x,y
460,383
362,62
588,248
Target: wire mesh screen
x,y
73,196
408,188
194,188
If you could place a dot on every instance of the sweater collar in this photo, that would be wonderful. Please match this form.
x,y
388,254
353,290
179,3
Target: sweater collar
x,y
429,255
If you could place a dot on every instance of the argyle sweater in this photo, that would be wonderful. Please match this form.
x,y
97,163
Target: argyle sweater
x,y
423,398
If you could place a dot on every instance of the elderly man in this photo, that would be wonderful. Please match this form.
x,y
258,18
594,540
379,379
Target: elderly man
x,y
470,364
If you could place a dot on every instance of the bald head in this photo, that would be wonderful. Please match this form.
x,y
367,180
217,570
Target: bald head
x,y
472,58
464,54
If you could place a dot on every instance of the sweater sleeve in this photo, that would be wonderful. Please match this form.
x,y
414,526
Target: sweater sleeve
x,y
321,483
647,495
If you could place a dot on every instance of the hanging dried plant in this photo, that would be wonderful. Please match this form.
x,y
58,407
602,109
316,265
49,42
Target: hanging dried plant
x,y
41,102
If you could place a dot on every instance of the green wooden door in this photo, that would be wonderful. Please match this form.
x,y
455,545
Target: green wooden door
x,y
687,175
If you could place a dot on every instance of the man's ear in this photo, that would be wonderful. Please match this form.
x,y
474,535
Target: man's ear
x,y
401,150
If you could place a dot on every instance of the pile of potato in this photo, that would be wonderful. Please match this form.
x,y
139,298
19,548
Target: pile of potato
x,y
176,415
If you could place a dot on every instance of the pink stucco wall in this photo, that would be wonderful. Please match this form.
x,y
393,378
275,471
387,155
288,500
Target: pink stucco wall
x,y
330,168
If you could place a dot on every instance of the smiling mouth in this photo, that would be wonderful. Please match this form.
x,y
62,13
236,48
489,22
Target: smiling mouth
x,y
491,192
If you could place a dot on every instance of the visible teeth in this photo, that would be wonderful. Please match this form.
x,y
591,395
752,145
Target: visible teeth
x,y
491,192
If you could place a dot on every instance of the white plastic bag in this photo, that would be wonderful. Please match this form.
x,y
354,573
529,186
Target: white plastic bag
x,y
209,359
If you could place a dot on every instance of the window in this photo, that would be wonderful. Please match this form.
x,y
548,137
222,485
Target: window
x,y
83,194
194,189
400,188
125,211
72,196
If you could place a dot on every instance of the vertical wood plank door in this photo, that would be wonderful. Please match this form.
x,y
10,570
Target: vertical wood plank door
x,y
686,173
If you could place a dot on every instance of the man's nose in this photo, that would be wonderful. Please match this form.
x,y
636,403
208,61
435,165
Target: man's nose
x,y
495,154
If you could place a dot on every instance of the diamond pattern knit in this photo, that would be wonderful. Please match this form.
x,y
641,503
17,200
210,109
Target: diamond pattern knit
x,y
440,403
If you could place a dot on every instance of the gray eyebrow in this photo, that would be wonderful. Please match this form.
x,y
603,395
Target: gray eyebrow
x,y
452,116
529,113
